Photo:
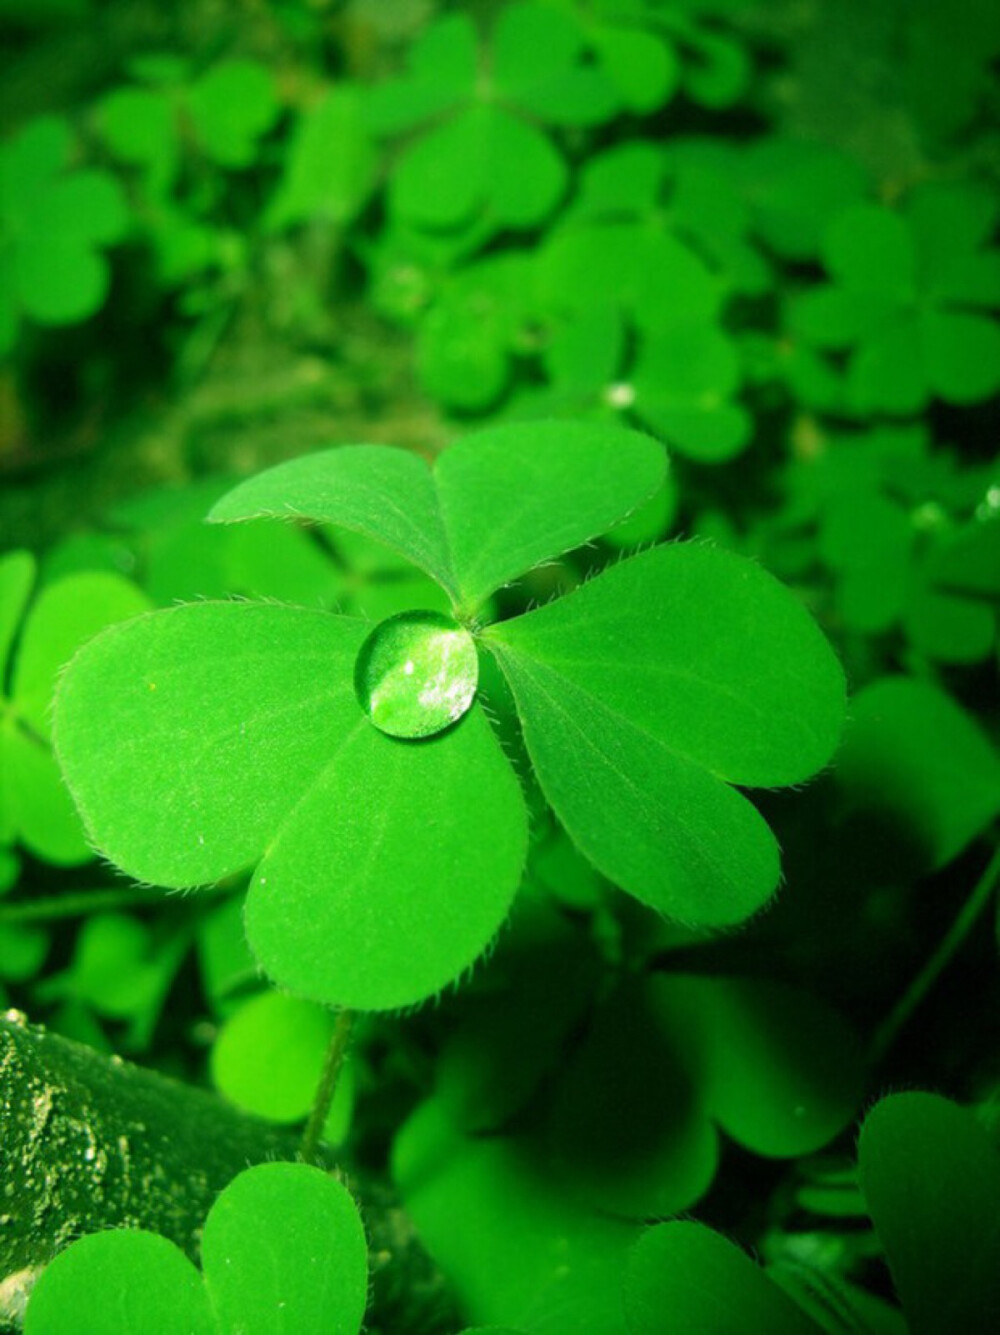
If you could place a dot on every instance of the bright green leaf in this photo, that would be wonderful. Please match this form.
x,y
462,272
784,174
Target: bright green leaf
x,y
119,1280
340,902
727,680
284,1249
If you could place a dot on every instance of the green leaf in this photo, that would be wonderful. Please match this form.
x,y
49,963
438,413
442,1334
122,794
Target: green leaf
x,y
232,105
783,1073
346,891
60,283
538,67
886,372
931,1177
514,496
229,712
138,125
244,723
643,68
268,1059
794,187
633,1117
386,494
442,73
917,761
683,378
65,615
961,354
284,1249
331,163
684,1276
515,1248
484,161
727,680
35,806
869,249
122,1279
497,503
628,1128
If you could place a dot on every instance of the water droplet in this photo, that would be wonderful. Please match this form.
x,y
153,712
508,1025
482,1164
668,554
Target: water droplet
x,y
416,673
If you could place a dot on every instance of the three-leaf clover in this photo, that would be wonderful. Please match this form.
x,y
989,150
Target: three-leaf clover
x,y
909,298
283,1248
488,165
54,225
354,767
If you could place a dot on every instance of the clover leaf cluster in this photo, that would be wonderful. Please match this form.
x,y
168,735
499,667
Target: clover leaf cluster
x,y
259,748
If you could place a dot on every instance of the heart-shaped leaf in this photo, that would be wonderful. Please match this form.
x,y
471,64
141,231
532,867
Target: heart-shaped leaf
x,y
726,681
930,1174
683,1276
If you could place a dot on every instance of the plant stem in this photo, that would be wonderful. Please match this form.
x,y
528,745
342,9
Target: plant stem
x,y
327,1086
78,903
887,1032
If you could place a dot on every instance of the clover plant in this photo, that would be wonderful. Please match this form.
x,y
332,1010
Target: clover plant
x,y
56,223
567,823
283,1248
278,717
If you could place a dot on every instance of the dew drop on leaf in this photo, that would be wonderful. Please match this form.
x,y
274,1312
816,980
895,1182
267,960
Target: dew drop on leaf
x,y
416,674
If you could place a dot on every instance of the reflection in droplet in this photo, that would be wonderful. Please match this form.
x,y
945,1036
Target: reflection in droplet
x,y
416,674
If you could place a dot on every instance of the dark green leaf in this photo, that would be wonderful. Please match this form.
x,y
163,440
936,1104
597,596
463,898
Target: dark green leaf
x,y
683,1276
931,1176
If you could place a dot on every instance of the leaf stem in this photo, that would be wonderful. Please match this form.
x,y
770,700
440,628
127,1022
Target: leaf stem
x,y
78,903
327,1086
887,1032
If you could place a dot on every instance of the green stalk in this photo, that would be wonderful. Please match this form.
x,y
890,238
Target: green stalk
x,y
327,1087
980,896
78,903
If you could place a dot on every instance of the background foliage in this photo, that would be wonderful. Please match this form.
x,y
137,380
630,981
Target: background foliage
x,y
764,234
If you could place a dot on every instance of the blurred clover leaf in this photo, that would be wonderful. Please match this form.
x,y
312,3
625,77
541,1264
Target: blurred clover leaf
x,y
55,223
633,1121
36,639
228,108
283,1248
625,1100
940,1228
331,163
178,558
515,1248
691,187
285,738
685,371
909,298
121,970
487,165
915,760
684,1276
268,1058
910,538
792,188
156,124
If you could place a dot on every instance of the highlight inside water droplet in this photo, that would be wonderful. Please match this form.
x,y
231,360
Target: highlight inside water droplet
x,y
416,674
